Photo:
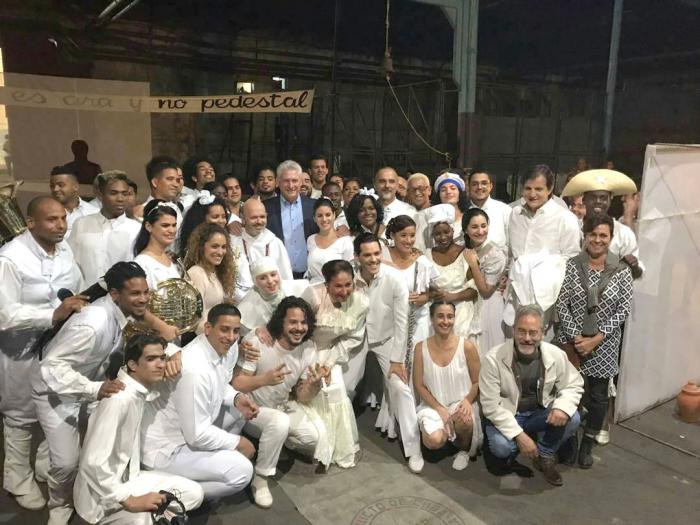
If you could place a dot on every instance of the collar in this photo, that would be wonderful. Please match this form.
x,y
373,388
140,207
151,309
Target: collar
x,y
507,350
361,280
211,354
545,209
130,382
122,320
115,222
264,237
484,206
285,202
37,250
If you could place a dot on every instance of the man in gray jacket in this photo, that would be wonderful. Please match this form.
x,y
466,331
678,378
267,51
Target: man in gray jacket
x,y
529,393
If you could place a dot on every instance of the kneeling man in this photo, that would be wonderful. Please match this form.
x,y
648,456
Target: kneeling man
x,y
110,487
529,394
193,429
282,369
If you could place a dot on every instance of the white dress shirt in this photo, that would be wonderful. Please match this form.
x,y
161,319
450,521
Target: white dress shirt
x,y
265,244
98,243
396,208
83,209
387,316
499,218
111,454
187,408
298,360
76,359
552,229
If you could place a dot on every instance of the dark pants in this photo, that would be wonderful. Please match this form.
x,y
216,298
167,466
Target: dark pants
x,y
595,399
298,275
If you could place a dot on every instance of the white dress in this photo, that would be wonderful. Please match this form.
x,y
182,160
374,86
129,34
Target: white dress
x,y
449,385
339,330
156,272
487,327
342,248
452,279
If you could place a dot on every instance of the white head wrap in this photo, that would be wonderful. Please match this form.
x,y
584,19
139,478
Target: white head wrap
x,y
448,177
263,265
440,213
205,198
370,192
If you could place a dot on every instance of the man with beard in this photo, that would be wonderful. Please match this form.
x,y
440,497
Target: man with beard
x,y
387,333
529,394
105,238
264,182
75,371
480,187
257,241
34,266
65,188
283,368
386,185
165,181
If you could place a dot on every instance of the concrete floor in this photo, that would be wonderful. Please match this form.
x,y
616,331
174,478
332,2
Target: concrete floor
x,y
634,480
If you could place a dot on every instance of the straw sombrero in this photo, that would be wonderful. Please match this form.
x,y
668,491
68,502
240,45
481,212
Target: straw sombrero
x,y
600,180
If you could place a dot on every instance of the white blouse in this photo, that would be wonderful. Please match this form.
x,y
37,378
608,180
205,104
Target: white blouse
x,y
210,288
342,248
156,272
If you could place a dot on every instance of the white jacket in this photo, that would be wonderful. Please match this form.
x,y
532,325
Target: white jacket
x,y
499,392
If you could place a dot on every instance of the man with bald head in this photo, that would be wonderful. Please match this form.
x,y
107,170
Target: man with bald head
x,y
257,241
34,267
386,184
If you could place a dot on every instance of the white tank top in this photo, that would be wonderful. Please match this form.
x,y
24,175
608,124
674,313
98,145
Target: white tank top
x,y
448,384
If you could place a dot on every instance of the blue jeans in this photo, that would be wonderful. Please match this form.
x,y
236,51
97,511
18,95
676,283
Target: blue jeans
x,y
547,437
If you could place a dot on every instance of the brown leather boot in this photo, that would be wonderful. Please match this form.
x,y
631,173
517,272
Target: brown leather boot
x,y
548,467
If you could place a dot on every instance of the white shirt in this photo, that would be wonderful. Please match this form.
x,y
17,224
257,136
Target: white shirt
x,y
552,229
316,194
499,218
187,407
396,208
111,452
76,359
98,243
83,209
342,248
156,271
340,220
387,316
265,244
297,360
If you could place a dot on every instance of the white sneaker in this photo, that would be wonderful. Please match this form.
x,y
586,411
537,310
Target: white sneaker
x,y
416,463
33,501
603,437
461,460
60,515
261,493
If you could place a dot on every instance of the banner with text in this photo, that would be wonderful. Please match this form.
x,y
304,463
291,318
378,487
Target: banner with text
x,y
282,102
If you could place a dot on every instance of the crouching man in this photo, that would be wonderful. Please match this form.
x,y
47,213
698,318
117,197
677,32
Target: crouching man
x,y
529,395
282,369
193,429
110,487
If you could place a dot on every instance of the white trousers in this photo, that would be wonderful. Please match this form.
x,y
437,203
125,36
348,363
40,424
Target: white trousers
x,y
188,492
219,472
275,429
18,476
59,420
401,400
16,403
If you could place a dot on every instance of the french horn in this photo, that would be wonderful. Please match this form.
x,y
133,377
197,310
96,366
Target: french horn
x,y
12,221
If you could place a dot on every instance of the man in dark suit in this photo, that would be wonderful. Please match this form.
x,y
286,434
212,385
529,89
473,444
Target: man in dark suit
x,y
291,216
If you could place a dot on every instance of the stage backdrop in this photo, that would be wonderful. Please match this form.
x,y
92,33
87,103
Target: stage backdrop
x,y
40,137
661,351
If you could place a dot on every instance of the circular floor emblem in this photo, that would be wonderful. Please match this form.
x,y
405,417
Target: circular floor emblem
x,y
406,510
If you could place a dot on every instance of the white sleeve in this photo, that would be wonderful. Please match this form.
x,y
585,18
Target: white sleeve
x,y
283,261
190,399
400,302
569,236
244,281
64,351
13,314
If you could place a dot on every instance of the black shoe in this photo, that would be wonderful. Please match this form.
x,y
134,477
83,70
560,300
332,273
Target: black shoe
x,y
568,451
548,467
585,458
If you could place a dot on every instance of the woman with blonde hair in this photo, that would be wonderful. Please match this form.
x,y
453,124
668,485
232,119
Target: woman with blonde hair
x,y
210,266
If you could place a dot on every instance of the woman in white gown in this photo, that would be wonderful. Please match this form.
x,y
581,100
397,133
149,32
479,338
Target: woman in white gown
x,y
158,231
446,377
487,262
325,245
340,328
454,282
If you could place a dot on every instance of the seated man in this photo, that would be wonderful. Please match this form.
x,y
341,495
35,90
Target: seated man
x,y
193,429
282,369
110,488
529,394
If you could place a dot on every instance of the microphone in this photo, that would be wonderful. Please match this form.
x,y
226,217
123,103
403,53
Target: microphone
x,y
63,294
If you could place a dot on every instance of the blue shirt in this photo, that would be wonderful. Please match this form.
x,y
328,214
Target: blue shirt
x,y
292,216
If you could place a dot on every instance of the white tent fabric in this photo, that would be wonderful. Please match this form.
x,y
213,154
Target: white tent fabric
x,y
661,350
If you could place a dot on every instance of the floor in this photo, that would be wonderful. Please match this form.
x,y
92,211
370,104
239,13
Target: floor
x,y
635,479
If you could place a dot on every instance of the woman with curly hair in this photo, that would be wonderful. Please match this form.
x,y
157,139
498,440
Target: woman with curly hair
x,y
365,214
210,266
207,208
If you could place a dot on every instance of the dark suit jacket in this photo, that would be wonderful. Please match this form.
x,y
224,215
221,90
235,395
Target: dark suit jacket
x,y
274,216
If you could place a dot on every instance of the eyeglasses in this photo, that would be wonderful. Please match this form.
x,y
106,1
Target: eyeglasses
x,y
419,189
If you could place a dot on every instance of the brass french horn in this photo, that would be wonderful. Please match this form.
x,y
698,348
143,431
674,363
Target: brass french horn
x,y
12,221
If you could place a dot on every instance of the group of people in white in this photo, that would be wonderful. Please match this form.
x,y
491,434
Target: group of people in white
x,y
455,293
